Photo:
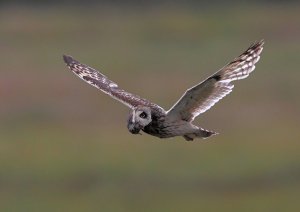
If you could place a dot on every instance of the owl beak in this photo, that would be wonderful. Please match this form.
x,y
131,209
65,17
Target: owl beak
x,y
134,129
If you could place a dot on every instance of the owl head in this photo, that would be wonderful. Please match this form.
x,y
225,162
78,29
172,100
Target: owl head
x,y
139,118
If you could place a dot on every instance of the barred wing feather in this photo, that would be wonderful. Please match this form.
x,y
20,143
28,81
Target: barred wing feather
x,y
100,81
203,96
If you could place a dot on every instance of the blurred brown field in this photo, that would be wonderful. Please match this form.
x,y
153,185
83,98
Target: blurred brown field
x,y
64,145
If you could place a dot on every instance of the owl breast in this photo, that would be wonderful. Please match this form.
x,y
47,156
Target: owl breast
x,y
159,127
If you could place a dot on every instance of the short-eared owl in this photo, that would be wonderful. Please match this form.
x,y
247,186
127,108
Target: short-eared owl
x,y
177,121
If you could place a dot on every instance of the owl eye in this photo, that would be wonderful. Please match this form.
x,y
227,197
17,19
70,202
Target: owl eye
x,y
143,115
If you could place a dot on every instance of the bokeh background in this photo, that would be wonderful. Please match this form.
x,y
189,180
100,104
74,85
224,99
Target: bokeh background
x,y
64,145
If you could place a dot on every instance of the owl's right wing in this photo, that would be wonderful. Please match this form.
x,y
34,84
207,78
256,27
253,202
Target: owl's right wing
x,y
100,81
206,94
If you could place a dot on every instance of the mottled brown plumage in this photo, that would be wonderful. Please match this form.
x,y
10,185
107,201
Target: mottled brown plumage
x,y
153,119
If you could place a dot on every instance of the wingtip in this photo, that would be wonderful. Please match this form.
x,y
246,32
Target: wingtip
x,y
68,59
257,46
259,43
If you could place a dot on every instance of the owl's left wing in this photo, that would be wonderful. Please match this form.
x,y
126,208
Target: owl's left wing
x,y
203,96
100,81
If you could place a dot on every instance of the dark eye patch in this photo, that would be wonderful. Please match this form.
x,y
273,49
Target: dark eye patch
x,y
143,115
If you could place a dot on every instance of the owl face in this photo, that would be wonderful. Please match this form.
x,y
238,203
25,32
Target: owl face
x,y
139,118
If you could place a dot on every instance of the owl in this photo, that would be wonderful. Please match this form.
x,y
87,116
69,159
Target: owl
x,y
152,119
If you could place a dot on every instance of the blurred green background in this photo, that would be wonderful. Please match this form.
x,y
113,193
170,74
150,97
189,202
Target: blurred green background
x,y
64,145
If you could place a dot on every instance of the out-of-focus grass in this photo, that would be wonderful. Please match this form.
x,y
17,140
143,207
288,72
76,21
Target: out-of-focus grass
x,y
64,145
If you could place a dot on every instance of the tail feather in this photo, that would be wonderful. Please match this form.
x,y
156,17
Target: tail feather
x,y
200,133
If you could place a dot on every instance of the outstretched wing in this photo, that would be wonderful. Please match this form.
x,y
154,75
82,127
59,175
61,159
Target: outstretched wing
x,y
100,81
203,96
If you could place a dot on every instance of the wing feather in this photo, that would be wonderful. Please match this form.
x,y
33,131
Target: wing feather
x,y
203,96
100,81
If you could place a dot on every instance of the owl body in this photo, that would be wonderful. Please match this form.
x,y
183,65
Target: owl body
x,y
162,126
154,120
